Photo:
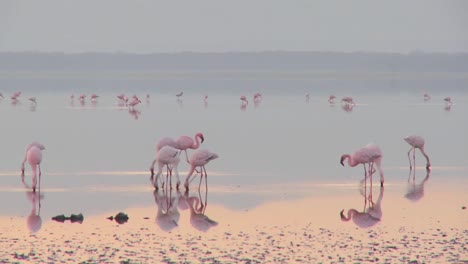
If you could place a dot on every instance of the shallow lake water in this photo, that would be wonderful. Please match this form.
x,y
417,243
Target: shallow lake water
x,y
278,162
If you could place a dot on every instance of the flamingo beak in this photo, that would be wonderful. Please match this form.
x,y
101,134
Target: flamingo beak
x,y
341,161
202,139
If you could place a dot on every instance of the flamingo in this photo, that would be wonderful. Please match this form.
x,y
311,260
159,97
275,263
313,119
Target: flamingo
x,y
199,159
82,97
416,142
448,100
169,157
369,154
33,100
15,96
179,95
34,158
186,142
348,100
244,100
205,99
427,97
307,96
257,97
331,99
371,215
94,97
134,102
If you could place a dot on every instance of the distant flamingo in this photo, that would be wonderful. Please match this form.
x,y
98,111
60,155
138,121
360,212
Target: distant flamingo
x,y
448,101
1,95
179,95
33,100
205,98
257,97
186,142
331,99
169,157
416,142
427,97
34,158
133,103
370,216
199,159
369,154
347,107
244,100
348,100
15,96
94,97
82,97
307,96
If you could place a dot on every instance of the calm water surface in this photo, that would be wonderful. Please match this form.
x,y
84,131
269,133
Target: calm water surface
x,y
279,159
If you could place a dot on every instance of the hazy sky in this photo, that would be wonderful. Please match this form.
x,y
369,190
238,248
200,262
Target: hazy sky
x,y
146,26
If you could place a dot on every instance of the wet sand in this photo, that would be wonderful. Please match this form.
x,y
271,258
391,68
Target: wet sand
x,y
286,229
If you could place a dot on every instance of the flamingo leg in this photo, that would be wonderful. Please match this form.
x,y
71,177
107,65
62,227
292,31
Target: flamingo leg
x,y
206,178
409,159
414,158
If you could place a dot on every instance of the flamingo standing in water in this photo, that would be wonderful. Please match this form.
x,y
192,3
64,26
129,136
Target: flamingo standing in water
x,y
348,100
369,154
134,102
33,100
186,142
448,100
94,97
307,96
416,142
169,157
244,100
179,95
199,159
427,97
331,99
257,97
34,158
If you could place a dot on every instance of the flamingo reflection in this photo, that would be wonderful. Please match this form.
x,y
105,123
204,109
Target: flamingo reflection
x,y
135,113
416,191
167,217
347,107
34,220
197,206
371,214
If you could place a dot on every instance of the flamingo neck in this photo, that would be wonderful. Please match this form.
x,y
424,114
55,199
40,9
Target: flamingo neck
x,y
351,161
425,155
350,214
197,142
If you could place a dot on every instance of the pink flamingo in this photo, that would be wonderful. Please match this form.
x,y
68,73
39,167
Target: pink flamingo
x,y
244,100
427,97
199,159
416,142
15,96
169,157
331,99
307,96
179,95
186,142
448,100
369,154
133,103
94,97
34,158
348,100
257,97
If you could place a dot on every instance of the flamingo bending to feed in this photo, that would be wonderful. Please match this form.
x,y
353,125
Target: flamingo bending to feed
x,y
369,154
34,158
199,159
244,100
134,102
169,157
427,97
416,142
33,100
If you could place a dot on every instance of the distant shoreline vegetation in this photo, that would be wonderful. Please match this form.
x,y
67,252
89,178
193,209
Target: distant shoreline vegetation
x,y
238,61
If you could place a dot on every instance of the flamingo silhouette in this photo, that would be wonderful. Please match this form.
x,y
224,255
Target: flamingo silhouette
x,y
331,99
448,100
416,142
370,216
198,219
369,154
167,216
134,102
416,191
169,157
199,159
34,158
